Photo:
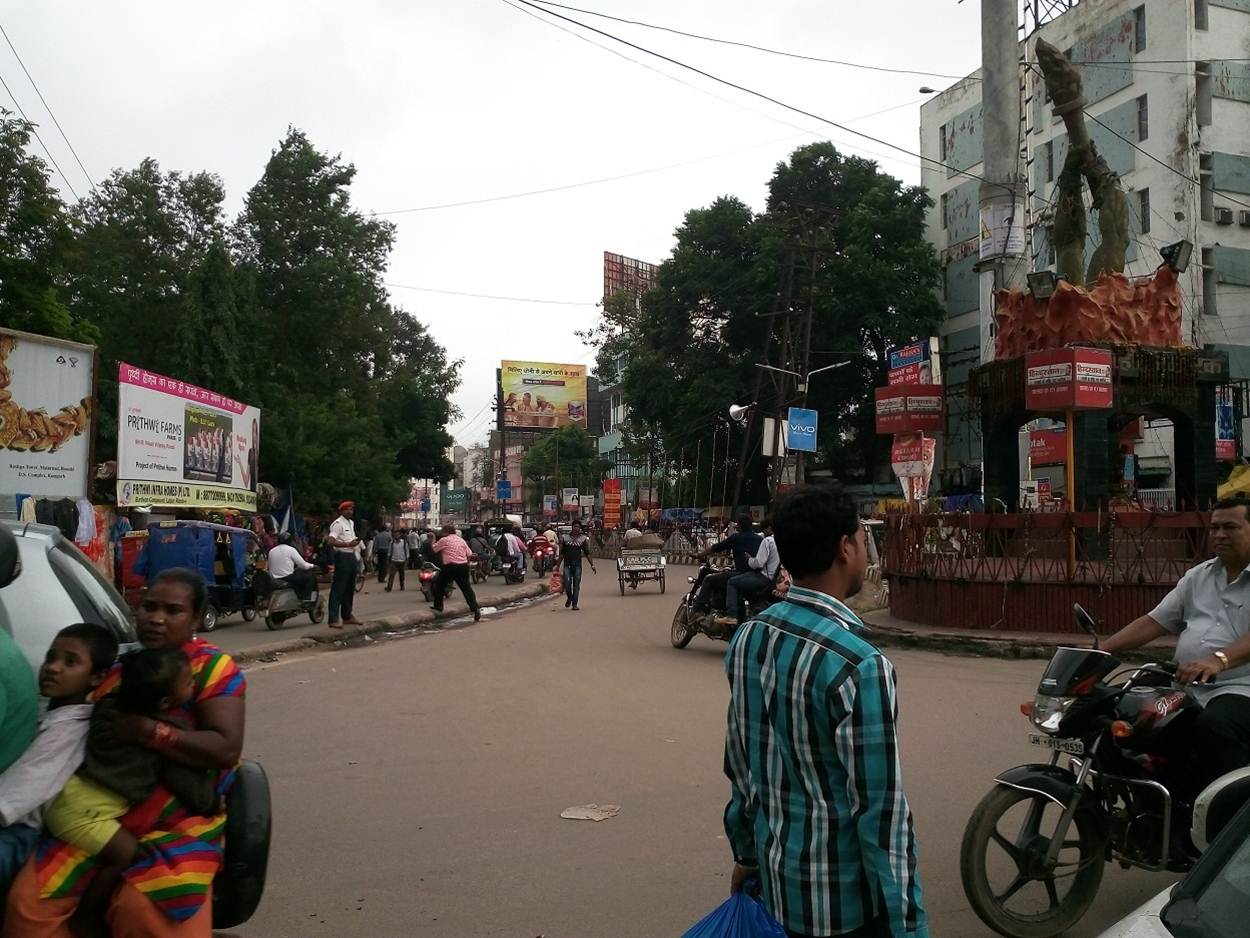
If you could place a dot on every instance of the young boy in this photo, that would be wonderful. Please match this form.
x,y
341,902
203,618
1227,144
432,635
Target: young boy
x,y
79,659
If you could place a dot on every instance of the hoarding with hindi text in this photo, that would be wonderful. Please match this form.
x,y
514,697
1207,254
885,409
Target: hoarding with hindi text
x,y
542,395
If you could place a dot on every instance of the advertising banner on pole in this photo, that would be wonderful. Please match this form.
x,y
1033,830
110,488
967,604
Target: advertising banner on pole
x,y
910,408
46,415
179,445
568,499
611,502
542,395
1225,425
915,363
911,457
503,490
454,501
1059,379
551,506
802,425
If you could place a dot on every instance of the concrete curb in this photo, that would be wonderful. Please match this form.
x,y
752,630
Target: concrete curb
x,y
1032,646
325,636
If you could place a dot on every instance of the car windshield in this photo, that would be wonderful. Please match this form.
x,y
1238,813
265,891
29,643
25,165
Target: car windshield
x,y
1222,905
96,599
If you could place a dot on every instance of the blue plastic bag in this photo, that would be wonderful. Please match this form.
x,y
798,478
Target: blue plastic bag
x,y
739,917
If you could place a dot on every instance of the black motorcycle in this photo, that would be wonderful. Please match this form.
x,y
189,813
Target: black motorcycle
x,y
691,619
1034,849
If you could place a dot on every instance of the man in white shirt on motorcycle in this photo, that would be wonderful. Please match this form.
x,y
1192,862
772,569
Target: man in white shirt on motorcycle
x,y
285,563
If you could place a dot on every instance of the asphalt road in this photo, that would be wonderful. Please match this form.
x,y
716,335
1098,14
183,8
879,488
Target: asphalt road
x,y
418,783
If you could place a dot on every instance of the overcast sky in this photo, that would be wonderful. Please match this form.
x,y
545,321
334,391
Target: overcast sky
x,y
472,99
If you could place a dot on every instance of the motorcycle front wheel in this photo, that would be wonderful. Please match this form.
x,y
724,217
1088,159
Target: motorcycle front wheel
x,y
682,631
1005,876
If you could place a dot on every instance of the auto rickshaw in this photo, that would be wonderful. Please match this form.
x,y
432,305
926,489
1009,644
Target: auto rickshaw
x,y
220,554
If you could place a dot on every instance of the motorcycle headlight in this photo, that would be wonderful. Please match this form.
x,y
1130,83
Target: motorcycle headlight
x,y
1049,711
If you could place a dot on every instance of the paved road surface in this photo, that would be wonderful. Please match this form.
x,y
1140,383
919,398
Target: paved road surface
x,y
418,785
233,634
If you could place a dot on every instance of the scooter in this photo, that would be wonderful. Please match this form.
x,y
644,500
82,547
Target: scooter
x,y
510,569
426,576
691,619
544,558
284,603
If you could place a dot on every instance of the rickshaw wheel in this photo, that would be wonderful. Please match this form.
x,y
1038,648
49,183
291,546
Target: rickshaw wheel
x,y
661,582
249,613
211,615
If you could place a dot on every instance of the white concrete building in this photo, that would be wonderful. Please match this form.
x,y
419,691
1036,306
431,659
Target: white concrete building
x,y
1170,80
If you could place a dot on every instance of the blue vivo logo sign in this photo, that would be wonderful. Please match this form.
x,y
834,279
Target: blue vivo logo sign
x,y
802,430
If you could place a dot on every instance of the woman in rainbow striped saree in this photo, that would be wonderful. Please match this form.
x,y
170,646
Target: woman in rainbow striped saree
x,y
167,892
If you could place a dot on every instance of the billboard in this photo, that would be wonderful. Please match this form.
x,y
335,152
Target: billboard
x,y
182,446
568,499
542,395
627,275
1225,425
47,391
551,507
611,502
911,457
1059,379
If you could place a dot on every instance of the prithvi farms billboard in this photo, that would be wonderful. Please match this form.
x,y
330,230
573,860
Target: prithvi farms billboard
x,y
180,445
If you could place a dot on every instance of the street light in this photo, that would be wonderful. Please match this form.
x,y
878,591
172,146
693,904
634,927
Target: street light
x,y
1042,284
802,385
1177,255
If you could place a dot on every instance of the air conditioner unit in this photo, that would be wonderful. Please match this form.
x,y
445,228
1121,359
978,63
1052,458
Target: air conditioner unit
x,y
1243,219
1223,216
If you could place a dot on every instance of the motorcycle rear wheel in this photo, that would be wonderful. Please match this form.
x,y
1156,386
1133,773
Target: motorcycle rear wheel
x,y
1080,864
682,632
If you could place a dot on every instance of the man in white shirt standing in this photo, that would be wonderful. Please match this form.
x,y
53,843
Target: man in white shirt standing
x,y
763,574
285,563
343,541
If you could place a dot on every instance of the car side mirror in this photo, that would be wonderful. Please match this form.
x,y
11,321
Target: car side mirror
x,y
10,560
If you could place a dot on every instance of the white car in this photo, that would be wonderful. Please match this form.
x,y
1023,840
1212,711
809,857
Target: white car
x,y
1213,900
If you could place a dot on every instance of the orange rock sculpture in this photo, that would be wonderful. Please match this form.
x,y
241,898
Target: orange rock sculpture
x,y
1144,311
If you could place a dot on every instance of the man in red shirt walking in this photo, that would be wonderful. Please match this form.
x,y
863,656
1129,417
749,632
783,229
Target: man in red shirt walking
x,y
455,554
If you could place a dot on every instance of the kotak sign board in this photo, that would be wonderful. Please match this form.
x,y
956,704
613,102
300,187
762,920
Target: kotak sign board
x,y
179,445
1067,379
910,408
1048,447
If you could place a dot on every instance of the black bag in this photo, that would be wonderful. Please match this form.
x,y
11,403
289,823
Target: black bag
x,y
501,546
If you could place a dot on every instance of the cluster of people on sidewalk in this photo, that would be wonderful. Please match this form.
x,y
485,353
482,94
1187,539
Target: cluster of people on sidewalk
x,y
113,774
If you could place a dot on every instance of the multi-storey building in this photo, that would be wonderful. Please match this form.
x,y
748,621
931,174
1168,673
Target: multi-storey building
x,y
1167,89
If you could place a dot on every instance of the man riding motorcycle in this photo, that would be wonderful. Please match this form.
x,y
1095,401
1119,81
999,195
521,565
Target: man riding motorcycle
x,y
744,544
287,566
1209,611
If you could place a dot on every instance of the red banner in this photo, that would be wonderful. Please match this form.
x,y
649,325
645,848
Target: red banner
x,y
908,408
1048,447
611,502
1067,378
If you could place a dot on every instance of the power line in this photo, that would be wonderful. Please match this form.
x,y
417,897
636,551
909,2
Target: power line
x,y
487,296
47,107
764,97
748,45
35,133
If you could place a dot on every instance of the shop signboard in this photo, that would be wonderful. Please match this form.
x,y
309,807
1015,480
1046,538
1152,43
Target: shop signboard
x,y
542,395
179,445
1048,447
1068,379
1225,425
910,408
47,410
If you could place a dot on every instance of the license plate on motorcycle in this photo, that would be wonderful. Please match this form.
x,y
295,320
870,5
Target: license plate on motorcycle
x,y
1071,746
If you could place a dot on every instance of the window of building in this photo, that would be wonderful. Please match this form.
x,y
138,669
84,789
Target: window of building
x,y
942,143
1048,255
1143,119
1210,284
1139,18
1206,186
946,198
1202,93
1143,209
1200,14
1048,160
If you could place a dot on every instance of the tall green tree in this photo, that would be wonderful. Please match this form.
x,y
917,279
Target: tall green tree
x,y
209,336
838,235
355,390
34,236
565,458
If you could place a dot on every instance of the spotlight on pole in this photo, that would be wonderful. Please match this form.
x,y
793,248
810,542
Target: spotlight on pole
x,y
738,412
1042,284
1177,255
